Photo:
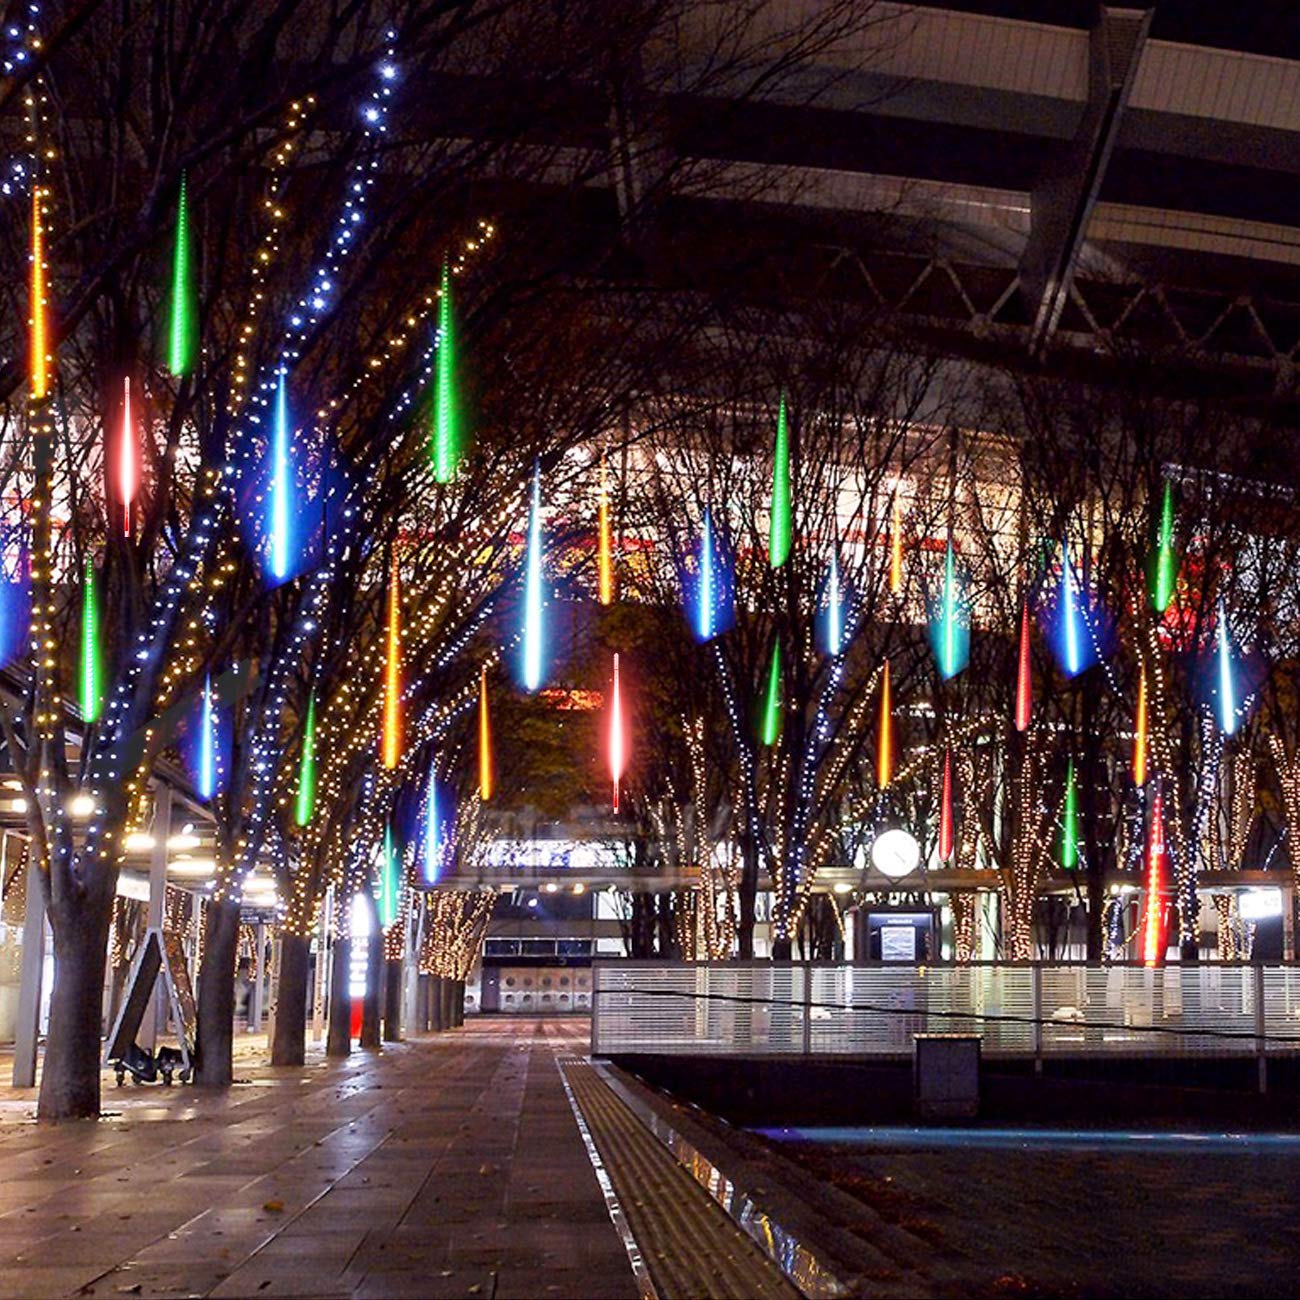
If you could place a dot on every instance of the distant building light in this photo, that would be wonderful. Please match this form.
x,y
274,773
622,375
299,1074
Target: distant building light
x,y
572,699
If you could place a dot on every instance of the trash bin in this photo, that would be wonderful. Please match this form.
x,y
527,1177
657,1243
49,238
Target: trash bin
x,y
946,1075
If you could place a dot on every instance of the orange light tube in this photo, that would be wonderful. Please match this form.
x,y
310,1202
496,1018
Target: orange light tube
x,y
1140,732
896,549
391,744
604,545
484,739
885,740
39,340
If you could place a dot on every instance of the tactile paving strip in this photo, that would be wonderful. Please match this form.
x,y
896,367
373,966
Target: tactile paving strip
x,y
693,1250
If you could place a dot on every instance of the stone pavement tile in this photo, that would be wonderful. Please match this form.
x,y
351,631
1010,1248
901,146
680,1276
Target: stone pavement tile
x,y
530,1284
163,1282
463,1284
284,1278
38,1281
341,1244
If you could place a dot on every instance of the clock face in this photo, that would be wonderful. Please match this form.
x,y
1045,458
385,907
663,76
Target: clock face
x,y
895,853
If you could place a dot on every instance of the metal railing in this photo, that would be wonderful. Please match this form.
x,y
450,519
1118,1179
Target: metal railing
x,y
1021,1009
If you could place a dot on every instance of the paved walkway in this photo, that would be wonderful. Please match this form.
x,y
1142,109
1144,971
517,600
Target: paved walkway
x,y
450,1166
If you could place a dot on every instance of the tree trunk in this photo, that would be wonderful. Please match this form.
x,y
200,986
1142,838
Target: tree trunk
x,y
215,1067
422,1003
290,1044
393,1001
458,1003
446,999
435,1003
70,1072
338,1041
643,925
373,1000
748,894
782,949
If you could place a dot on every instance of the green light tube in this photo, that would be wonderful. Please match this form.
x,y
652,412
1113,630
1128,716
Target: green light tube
x,y
770,730
446,423
778,546
306,802
180,336
91,691
1070,822
1166,562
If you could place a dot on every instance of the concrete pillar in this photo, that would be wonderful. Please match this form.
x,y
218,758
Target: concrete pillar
x,y
255,994
155,1017
272,986
28,1026
324,958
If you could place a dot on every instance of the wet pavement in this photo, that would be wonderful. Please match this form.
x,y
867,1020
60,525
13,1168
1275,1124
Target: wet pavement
x,y
447,1166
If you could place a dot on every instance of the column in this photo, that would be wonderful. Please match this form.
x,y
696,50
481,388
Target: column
x,y
29,987
155,1017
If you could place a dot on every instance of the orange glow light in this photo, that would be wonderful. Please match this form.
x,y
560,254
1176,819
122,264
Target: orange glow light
x,y
1140,732
484,739
39,361
885,742
896,549
605,550
390,750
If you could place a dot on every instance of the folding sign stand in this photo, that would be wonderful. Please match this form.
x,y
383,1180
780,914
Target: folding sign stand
x,y
159,953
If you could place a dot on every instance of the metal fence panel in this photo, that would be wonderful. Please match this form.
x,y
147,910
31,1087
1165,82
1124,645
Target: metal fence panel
x,y
1020,1009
